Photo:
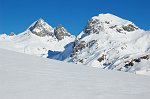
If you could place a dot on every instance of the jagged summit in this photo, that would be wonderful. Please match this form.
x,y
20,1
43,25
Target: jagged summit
x,y
41,28
40,20
60,32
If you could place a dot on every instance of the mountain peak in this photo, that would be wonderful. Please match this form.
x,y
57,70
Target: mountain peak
x,y
104,22
40,20
110,19
41,28
60,32
108,15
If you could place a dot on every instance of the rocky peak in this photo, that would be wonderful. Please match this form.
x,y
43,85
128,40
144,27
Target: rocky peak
x,y
12,34
41,28
93,27
40,20
60,32
104,22
99,33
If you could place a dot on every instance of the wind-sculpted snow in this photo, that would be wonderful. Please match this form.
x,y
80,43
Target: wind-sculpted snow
x,y
29,77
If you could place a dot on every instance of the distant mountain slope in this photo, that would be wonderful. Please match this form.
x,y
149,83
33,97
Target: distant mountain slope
x,y
38,39
110,42
29,77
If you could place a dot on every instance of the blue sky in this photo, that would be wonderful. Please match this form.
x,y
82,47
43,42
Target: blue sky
x,y
17,15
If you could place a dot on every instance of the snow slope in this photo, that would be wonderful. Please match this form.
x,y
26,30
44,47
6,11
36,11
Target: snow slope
x,y
28,77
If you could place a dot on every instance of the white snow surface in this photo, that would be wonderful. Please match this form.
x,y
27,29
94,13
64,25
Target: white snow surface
x,y
29,77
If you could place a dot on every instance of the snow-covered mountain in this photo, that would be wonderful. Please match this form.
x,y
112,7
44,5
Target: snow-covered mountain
x,y
107,42
38,39
29,77
110,42
41,28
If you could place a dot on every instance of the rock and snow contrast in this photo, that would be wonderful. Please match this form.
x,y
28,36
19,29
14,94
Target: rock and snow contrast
x,y
107,42
29,77
38,39
110,42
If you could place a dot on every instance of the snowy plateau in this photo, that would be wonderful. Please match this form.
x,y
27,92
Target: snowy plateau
x,y
106,42
29,77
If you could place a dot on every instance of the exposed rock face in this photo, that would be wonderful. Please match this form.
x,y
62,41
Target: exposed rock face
x,y
93,26
60,32
129,28
78,47
41,28
107,22
12,34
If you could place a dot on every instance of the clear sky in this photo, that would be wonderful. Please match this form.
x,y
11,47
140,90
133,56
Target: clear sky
x,y
17,15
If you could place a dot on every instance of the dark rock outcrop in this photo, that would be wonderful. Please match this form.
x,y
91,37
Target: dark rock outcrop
x,y
60,32
12,34
94,26
129,28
